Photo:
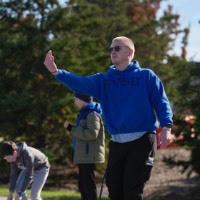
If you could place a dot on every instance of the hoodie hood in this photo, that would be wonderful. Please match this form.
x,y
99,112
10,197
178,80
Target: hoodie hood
x,y
93,106
132,66
21,146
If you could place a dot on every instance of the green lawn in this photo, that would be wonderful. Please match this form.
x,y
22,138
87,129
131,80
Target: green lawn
x,y
52,195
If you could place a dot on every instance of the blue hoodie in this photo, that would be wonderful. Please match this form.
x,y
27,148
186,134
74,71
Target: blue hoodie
x,y
132,100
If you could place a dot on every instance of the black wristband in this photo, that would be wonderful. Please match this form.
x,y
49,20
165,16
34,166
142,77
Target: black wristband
x,y
69,127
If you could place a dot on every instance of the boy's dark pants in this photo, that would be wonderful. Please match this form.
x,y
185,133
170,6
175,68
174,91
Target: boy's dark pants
x,y
129,167
86,182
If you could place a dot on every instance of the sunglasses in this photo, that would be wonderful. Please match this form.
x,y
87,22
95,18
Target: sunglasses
x,y
116,48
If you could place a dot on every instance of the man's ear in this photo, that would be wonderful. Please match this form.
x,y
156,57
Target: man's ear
x,y
131,53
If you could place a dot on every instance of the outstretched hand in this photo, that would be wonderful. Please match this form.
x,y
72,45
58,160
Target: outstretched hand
x,y
50,64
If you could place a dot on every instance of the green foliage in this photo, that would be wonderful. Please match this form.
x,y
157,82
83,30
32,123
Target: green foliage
x,y
33,105
186,121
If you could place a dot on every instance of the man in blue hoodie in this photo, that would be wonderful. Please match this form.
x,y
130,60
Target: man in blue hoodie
x,y
133,102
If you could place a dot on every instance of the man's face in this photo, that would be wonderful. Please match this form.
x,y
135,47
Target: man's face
x,y
11,158
119,52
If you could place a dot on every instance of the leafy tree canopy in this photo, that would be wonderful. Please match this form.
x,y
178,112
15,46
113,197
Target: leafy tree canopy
x,y
33,105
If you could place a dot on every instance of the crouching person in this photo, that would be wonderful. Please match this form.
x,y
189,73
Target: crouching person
x,y
28,165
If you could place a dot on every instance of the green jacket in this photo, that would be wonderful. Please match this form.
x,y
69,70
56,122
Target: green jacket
x,y
90,142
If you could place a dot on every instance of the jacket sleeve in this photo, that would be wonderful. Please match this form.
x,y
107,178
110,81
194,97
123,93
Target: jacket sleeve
x,y
160,101
29,164
89,85
14,174
91,130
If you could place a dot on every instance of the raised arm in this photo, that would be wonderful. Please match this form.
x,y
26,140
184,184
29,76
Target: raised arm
x,y
90,85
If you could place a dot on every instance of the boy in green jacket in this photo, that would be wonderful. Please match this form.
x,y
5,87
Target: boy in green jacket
x,y
89,143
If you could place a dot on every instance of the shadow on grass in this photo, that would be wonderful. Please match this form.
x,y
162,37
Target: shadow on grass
x,y
189,191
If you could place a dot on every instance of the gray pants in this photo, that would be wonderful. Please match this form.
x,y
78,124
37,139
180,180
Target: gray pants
x,y
38,181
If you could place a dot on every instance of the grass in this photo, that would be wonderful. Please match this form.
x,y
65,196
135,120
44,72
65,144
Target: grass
x,y
52,195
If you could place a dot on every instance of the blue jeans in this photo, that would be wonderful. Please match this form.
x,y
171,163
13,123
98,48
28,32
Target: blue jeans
x,y
38,181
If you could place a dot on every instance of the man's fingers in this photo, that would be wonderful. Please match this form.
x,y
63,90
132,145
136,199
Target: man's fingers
x,y
49,58
164,144
49,52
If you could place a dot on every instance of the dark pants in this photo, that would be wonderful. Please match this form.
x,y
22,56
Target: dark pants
x,y
86,182
129,167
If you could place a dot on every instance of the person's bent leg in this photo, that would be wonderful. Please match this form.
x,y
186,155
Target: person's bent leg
x,y
39,179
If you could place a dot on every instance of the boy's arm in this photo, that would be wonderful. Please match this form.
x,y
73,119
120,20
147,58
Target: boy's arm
x,y
14,174
91,131
67,125
29,164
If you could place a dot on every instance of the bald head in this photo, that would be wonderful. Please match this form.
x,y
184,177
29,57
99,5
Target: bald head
x,y
127,41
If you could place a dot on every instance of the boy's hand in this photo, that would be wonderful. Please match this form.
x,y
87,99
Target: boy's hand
x,y
66,123
18,197
50,64
10,196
